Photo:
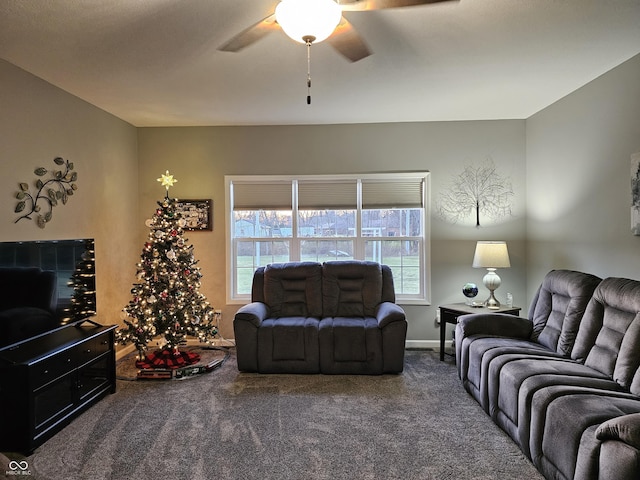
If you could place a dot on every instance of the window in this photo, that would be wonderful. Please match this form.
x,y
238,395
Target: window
x,y
377,217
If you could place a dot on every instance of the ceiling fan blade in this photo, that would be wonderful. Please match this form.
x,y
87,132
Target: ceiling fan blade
x,y
348,42
360,5
251,35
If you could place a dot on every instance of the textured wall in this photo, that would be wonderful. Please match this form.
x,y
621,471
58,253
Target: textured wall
x,y
39,122
578,179
200,157
569,165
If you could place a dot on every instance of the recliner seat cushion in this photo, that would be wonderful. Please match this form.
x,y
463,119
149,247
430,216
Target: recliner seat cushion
x,y
514,379
288,345
564,426
482,351
350,345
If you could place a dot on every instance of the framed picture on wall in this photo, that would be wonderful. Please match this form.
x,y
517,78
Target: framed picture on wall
x,y
635,193
197,213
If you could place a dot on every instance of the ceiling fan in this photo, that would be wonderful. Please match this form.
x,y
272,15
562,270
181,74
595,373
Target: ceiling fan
x,y
308,21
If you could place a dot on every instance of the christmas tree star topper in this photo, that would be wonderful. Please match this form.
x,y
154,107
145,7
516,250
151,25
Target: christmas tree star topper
x,y
167,180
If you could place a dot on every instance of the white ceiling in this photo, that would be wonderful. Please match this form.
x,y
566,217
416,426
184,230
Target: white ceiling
x,y
156,63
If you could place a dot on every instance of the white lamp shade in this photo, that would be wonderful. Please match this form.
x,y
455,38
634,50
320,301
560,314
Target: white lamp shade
x,y
304,18
491,255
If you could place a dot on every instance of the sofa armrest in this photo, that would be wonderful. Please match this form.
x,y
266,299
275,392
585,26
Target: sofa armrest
x,y
499,324
625,428
388,312
254,313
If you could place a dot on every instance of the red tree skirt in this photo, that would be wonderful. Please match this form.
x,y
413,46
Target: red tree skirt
x,y
168,359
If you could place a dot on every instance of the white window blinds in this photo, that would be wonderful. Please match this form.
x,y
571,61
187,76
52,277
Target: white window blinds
x,y
326,195
393,193
262,196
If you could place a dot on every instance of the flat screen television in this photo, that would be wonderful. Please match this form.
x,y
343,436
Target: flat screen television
x,y
72,261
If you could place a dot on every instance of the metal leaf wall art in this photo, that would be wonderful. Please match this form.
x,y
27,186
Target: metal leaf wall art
x,y
49,193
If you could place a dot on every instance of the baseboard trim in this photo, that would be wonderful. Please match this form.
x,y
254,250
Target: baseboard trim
x,y
423,344
124,351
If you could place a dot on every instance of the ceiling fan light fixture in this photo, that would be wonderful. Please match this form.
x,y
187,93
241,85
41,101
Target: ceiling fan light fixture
x,y
305,19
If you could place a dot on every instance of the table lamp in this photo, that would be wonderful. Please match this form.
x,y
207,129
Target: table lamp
x,y
491,255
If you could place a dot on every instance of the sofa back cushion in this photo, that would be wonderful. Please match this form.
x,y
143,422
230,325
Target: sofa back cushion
x,y
609,336
388,290
351,288
558,307
293,289
257,286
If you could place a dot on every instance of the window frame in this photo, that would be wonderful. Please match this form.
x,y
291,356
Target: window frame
x,y
424,296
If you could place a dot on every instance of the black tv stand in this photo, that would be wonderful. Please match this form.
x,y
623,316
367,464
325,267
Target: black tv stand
x,y
48,380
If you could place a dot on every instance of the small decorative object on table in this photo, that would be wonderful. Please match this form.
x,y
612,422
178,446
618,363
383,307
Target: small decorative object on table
x,y
470,290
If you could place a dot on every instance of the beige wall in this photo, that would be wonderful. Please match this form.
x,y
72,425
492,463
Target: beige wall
x,y
200,158
569,165
578,179
39,122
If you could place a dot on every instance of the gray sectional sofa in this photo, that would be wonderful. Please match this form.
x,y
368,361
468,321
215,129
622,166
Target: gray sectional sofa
x,y
564,383
338,317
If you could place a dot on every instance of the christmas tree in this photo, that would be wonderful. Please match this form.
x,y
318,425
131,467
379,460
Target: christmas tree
x,y
166,302
83,281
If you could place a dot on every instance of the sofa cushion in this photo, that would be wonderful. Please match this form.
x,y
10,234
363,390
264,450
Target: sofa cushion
x,y
558,307
515,378
288,345
293,289
351,288
482,352
350,345
563,425
609,339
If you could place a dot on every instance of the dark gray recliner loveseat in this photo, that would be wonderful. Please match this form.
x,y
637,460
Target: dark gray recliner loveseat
x,y
564,385
339,317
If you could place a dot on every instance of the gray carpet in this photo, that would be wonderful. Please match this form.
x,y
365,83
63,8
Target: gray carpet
x,y
230,425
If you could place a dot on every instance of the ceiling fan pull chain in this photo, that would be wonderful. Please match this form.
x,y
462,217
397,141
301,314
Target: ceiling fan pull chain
x,y
308,41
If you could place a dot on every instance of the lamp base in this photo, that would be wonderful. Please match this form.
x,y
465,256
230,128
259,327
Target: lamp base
x,y
492,302
492,281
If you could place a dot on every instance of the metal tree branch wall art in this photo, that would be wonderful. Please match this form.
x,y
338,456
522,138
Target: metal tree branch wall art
x,y
48,192
476,191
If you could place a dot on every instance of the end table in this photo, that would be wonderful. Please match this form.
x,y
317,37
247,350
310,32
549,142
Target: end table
x,y
450,314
